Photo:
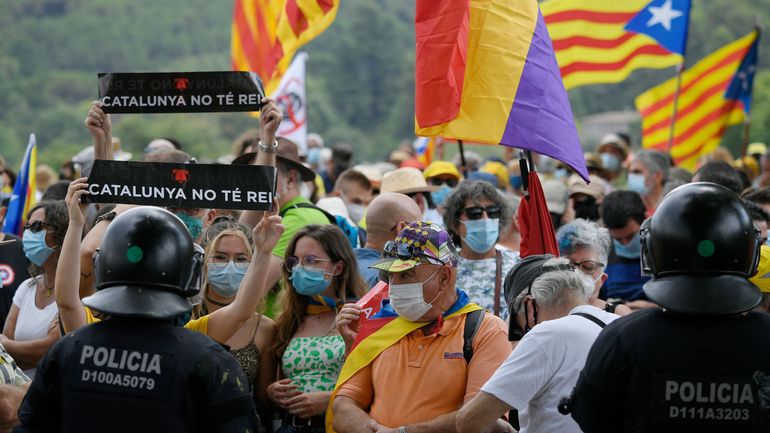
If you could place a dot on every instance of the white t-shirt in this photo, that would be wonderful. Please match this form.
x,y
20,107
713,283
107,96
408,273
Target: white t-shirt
x,y
544,367
32,323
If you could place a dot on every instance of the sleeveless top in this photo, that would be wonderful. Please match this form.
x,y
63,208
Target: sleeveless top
x,y
313,363
248,356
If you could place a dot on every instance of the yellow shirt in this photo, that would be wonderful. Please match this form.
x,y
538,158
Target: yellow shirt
x,y
200,324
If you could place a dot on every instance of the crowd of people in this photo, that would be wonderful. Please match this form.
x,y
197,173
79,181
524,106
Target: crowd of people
x,y
477,337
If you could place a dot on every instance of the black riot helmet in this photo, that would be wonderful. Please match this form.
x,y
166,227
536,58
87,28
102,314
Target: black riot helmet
x,y
701,247
147,266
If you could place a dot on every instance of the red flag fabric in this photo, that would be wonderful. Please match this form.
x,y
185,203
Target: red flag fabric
x,y
441,35
535,224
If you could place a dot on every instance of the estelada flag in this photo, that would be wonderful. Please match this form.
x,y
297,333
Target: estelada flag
x,y
498,84
23,196
267,33
705,107
595,44
535,224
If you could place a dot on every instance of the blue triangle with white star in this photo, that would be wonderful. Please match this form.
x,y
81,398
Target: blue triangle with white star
x,y
665,21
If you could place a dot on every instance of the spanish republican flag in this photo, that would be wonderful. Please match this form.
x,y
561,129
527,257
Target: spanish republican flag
x,y
496,82
267,33
592,44
704,111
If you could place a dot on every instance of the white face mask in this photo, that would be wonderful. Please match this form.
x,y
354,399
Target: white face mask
x,y
280,188
408,301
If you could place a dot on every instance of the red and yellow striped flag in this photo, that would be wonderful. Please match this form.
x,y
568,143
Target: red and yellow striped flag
x,y
703,113
267,33
592,46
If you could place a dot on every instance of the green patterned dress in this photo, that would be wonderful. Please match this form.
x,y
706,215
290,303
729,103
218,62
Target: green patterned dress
x,y
313,363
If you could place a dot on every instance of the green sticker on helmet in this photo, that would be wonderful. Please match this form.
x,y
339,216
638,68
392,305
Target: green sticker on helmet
x,y
706,248
134,254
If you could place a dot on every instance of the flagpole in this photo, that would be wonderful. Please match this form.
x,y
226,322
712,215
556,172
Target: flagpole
x,y
462,159
746,130
679,70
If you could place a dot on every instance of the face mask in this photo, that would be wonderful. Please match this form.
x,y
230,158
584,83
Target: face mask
x,y
636,183
356,212
630,251
194,225
560,173
407,299
610,161
282,185
305,190
481,234
439,196
515,181
225,280
313,154
309,282
35,248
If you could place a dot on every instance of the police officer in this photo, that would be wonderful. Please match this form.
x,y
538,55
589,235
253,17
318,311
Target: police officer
x,y
690,366
137,371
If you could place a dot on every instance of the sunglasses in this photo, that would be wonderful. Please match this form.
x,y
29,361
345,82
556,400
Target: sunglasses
x,y
405,252
306,261
438,182
476,212
587,266
37,226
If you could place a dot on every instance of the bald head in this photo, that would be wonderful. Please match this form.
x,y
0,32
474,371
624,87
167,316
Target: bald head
x,y
387,210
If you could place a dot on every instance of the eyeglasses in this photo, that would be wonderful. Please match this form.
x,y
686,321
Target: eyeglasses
x,y
476,212
587,266
306,261
438,182
37,226
405,252
221,260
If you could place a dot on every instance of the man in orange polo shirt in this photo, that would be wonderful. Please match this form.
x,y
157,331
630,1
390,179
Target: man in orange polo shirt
x,y
419,382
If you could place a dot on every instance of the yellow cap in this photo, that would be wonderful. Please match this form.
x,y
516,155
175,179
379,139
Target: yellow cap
x,y
498,169
756,148
762,278
437,168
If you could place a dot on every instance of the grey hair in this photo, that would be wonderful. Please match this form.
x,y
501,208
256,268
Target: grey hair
x,y
581,233
655,161
473,190
558,287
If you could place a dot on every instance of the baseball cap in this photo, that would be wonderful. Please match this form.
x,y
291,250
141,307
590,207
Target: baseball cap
x,y
762,278
616,141
756,147
437,168
418,243
498,169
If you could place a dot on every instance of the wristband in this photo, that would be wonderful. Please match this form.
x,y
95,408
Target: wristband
x,y
268,149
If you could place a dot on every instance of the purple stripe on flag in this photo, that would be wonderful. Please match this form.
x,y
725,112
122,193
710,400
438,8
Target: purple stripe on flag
x,y
541,117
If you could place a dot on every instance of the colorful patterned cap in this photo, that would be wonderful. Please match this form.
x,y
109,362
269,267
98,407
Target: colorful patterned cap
x,y
418,243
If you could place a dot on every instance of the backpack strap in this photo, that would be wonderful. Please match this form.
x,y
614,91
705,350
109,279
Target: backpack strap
x,y
498,280
472,324
329,216
591,318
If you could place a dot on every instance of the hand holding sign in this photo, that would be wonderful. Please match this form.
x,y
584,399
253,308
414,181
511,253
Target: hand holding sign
x,y
99,124
267,232
75,207
347,324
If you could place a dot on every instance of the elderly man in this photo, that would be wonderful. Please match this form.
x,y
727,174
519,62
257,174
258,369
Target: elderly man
x,y
388,213
549,300
475,215
647,174
421,377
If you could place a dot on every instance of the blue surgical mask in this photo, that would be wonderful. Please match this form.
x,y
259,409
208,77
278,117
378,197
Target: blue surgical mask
x,y
610,162
515,181
309,282
632,250
313,155
225,280
439,196
35,248
560,173
636,183
481,234
194,225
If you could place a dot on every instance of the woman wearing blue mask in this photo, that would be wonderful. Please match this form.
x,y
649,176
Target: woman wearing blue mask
x,y
320,275
28,332
229,251
476,213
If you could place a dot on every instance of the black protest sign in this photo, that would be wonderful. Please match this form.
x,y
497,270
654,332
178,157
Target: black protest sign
x,y
180,92
214,186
